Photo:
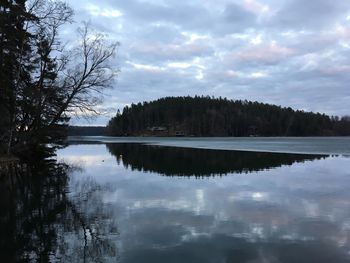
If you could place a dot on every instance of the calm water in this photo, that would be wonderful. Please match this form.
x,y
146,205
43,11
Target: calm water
x,y
309,145
130,202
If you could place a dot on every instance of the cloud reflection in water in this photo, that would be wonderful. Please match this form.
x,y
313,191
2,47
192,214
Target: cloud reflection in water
x,y
288,208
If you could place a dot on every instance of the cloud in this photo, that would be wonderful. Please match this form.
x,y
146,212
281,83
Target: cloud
x,y
266,54
239,16
95,10
311,14
167,52
291,52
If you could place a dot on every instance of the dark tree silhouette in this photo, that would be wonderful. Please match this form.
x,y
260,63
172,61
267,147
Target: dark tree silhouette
x,y
206,116
41,82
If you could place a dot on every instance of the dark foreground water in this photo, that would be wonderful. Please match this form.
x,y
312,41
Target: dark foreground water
x,y
129,202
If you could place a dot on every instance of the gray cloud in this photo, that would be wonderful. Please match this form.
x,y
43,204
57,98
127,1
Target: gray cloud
x,y
292,53
311,14
238,16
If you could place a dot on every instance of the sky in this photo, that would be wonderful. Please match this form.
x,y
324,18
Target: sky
x,y
293,53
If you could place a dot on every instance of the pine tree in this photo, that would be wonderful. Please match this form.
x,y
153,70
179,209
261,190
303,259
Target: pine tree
x,y
14,51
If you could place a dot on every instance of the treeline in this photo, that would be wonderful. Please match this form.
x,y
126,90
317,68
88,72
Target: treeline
x,y
206,116
86,130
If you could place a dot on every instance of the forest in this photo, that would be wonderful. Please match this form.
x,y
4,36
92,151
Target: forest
x,y
207,116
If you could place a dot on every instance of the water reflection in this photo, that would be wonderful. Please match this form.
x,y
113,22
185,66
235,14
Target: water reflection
x,y
299,212
294,213
41,221
174,161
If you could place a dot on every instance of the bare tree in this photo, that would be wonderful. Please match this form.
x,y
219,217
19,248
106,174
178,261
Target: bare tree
x,y
87,73
46,47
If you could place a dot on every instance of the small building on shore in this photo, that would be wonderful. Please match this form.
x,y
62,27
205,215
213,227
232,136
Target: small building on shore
x,y
156,131
179,133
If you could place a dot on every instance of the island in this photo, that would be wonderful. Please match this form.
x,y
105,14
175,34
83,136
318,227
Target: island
x,y
208,116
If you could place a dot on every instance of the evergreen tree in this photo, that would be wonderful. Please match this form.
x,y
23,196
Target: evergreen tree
x,y
205,116
14,52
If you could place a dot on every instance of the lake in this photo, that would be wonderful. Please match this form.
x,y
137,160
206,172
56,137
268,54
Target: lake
x,y
185,200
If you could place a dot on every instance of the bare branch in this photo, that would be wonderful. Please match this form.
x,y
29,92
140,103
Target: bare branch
x,y
85,78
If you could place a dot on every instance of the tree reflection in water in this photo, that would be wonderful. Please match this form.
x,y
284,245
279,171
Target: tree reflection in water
x,y
42,221
49,215
174,161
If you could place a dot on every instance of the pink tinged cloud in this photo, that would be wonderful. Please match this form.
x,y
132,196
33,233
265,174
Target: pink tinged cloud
x,y
336,70
266,54
184,51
